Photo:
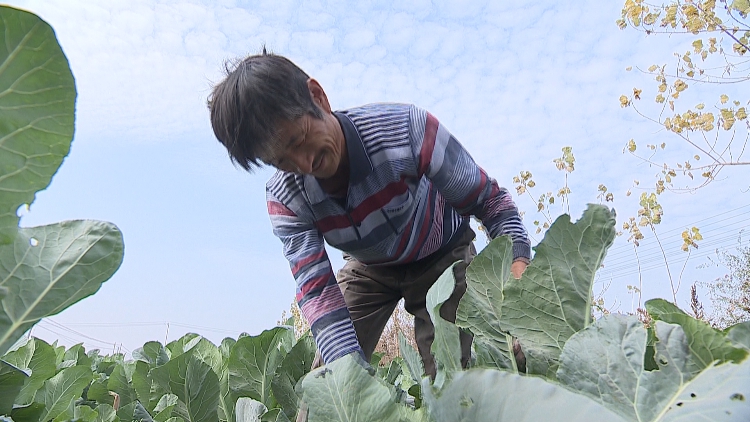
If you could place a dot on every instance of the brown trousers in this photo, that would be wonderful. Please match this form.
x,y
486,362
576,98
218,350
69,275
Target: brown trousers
x,y
372,293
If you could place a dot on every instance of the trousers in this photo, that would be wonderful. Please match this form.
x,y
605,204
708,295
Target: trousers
x,y
371,293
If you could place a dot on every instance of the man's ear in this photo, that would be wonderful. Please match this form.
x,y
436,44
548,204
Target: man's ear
x,y
318,95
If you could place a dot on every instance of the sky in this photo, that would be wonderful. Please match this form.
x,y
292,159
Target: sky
x,y
513,81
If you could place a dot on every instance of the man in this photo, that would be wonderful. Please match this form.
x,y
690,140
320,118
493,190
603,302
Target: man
x,y
385,183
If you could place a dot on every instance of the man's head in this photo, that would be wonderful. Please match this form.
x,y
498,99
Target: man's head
x,y
259,95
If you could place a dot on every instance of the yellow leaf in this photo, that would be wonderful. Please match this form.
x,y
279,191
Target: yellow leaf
x,y
637,93
698,45
724,98
697,157
531,183
700,106
624,102
660,99
629,68
741,113
690,74
652,68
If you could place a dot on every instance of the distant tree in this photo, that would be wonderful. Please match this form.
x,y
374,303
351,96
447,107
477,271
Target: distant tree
x,y
730,294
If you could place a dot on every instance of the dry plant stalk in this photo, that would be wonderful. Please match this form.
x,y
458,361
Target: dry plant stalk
x,y
400,322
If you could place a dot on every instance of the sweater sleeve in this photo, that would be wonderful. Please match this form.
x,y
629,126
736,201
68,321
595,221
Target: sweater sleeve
x,y
318,294
465,185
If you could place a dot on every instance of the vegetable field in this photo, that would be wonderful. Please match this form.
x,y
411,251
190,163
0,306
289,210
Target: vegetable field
x,y
669,367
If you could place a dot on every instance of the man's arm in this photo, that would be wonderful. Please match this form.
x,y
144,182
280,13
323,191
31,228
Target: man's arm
x,y
466,186
318,295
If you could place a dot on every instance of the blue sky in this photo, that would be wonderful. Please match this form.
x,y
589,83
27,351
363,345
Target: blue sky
x,y
514,81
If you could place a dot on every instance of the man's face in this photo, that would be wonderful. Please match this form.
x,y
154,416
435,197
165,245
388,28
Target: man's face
x,y
308,145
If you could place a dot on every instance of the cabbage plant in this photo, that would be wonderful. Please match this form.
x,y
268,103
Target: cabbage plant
x,y
45,269
616,368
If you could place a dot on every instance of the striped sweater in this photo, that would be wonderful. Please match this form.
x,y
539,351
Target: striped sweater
x,y
412,188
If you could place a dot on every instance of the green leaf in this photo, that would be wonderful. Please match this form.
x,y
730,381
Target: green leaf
x,y
99,392
249,410
446,346
254,361
78,355
489,395
706,344
120,381
60,390
605,361
11,382
164,407
152,353
37,99
390,373
70,262
551,301
29,413
274,415
226,347
739,334
105,413
411,358
344,391
126,412
140,413
142,385
194,382
183,344
494,353
209,354
718,393
293,367
38,358
84,413
480,308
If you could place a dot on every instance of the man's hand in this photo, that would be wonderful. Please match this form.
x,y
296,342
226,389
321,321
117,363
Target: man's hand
x,y
517,268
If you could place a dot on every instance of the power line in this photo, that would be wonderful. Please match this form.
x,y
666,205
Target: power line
x,y
78,333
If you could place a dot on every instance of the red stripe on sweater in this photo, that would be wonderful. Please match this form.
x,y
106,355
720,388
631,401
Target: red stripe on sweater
x,y
377,201
307,260
428,143
277,208
358,214
314,283
424,232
